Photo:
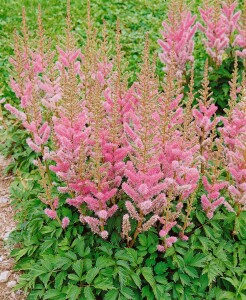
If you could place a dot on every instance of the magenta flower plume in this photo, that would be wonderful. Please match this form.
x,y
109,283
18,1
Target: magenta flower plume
x,y
177,44
216,28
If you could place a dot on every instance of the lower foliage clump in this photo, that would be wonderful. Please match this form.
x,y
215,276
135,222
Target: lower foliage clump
x,y
74,264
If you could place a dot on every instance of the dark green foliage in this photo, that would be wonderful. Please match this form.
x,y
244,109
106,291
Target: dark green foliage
x,y
75,264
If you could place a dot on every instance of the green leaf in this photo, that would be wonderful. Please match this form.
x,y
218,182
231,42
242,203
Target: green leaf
x,y
212,270
71,255
80,246
34,295
123,276
123,264
91,275
59,278
185,280
46,245
147,273
37,272
111,295
147,293
78,267
45,278
225,88
136,279
143,240
52,294
122,255
192,272
161,279
48,263
103,284
127,292
20,253
73,277
176,276
89,293
104,262
87,263
160,268
133,256
61,261
73,292
198,261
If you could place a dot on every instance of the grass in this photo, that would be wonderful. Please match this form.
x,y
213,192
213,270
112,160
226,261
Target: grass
x,y
137,18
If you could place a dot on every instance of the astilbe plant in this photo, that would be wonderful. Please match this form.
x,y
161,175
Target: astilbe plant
x,y
143,171
240,39
234,137
29,67
177,157
100,138
216,29
89,131
231,17
211,150
178,33
224,27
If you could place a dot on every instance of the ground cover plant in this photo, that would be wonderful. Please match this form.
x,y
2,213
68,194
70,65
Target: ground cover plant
x,y
131,187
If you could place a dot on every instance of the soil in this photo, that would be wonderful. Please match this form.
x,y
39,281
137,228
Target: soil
x,y
8,277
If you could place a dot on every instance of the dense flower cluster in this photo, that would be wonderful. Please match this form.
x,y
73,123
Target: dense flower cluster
x,y
102,138
178,32
220,25
235,147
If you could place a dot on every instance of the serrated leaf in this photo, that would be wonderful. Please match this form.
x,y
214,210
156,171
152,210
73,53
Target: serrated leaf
x,y
192,272
59,278
198,261
122,255
87,263
89,293
103,284
45,278
133,255
20,253
111,295
143,240
147,273
80,247
175,276
91,274
212,270
123,276
61,261
136,279
73,292
147,293
78,267
123,264
47,245
161,279
71,255
160,268
127,292
104,262
73,277
185,280
37,272
52,294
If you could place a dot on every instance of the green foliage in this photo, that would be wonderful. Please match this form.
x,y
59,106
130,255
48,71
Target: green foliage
x,y
74,264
